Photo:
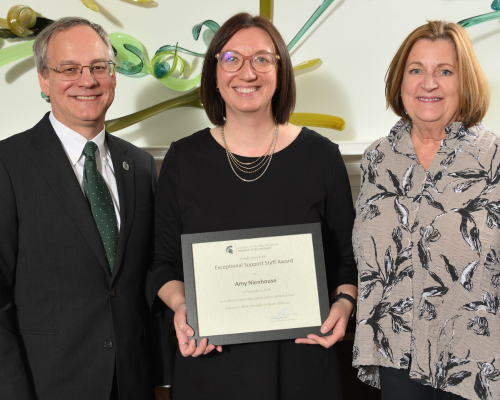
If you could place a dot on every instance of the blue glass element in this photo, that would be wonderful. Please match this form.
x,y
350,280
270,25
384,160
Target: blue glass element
x,y
320,10
212,25
168,48
161,69
128,67
479,19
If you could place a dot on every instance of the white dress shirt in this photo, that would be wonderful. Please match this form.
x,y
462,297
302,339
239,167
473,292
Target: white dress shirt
x,y
73,144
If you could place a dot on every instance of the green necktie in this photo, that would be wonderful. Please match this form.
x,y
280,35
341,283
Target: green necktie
x,y
101,203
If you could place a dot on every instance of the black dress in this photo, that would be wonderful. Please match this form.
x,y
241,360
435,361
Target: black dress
x,y
198,192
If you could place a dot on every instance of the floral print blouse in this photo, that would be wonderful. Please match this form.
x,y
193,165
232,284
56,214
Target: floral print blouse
x,y
427,245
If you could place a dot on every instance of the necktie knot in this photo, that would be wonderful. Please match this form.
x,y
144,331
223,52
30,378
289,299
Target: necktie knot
x,y
89,149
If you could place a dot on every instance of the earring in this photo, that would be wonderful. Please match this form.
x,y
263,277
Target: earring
x,y
217,88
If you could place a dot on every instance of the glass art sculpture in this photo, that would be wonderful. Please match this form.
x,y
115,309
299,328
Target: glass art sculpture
x,y
19,20
266,9
145,3
321,9
131,59
192,99
22,22
17,52
167,66
162,70
90,4
479,19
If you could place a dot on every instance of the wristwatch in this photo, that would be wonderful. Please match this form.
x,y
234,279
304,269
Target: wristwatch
x,y
349,298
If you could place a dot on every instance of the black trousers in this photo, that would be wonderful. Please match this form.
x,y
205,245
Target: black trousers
x,y
397,385
114,389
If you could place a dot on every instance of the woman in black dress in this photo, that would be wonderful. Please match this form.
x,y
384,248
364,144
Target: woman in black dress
x,y
253,169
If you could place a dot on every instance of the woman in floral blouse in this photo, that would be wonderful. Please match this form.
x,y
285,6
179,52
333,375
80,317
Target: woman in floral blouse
x,y
427,231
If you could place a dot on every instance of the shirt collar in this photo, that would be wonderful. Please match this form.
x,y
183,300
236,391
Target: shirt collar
x,y
74,143
400,136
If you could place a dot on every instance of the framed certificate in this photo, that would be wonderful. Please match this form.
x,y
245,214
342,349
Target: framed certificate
x,y
255,285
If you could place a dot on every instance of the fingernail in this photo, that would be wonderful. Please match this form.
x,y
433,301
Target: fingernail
x,y
324,329
190,332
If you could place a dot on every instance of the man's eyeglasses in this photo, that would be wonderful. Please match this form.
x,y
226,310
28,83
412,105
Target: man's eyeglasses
x,y
72,72
231,61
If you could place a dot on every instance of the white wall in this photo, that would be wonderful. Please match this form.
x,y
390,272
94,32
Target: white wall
x,y
356,40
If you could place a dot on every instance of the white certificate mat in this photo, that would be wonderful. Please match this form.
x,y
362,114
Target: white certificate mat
x,y
257,284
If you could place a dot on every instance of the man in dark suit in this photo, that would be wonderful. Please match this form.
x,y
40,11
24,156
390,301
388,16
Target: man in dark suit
x,y
76,223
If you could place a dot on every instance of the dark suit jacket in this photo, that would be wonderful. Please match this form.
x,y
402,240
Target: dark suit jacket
x,y
64,319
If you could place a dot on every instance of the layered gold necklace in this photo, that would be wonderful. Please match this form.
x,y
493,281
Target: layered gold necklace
x,y
254,166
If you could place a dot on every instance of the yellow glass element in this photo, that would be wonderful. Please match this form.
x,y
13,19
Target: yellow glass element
x,y
19,20
266,9
142,3
90,4
306,64
318,120
191,99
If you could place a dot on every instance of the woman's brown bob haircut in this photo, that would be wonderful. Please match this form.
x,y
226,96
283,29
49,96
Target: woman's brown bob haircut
x,y
474,90
283,101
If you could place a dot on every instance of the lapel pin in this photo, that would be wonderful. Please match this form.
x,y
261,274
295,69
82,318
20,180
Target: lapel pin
x,y
125,166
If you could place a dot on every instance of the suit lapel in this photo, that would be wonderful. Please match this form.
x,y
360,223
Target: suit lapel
x,y
52,162
125,183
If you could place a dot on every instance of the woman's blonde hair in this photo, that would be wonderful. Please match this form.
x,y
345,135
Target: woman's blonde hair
x,y
474,90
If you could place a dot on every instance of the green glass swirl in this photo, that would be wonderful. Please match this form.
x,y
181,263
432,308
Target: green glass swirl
x,y
479,19
320,10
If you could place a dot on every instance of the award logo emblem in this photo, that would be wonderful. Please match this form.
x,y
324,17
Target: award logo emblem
x,y
229,250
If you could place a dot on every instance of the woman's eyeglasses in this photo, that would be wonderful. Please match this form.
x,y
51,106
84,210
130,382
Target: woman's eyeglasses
x,y
231,61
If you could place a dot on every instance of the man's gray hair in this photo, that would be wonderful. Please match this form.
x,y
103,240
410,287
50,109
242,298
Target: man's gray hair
x,y
63,24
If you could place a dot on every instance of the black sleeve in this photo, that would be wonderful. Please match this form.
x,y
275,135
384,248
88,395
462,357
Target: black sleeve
x,y
167,264
154,175
14,381
340,220
160,329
